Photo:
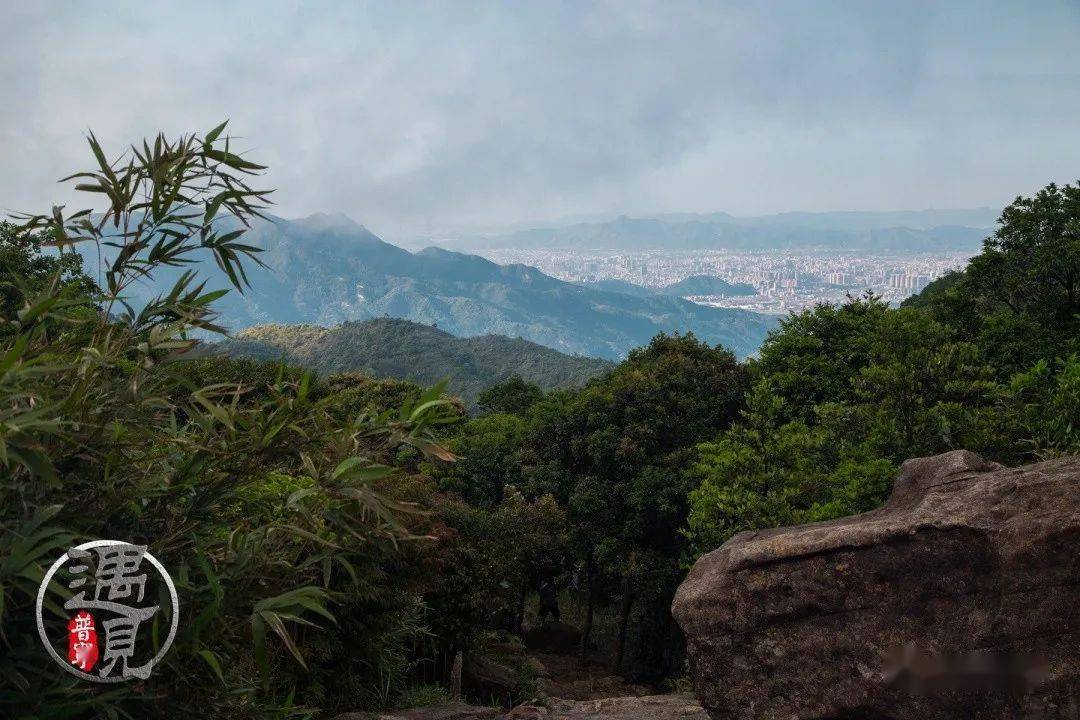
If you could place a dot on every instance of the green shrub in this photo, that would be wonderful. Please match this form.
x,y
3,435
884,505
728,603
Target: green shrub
x,y
424,696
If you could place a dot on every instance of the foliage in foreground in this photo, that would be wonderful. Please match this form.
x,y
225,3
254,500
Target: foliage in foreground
x,y
273,510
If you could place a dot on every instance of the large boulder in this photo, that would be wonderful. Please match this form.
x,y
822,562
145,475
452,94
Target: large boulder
x,y
960,598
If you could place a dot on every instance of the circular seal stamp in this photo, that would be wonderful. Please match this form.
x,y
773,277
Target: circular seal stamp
x,y
108,608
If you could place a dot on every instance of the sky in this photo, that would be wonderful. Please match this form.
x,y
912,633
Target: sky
x,y
419,118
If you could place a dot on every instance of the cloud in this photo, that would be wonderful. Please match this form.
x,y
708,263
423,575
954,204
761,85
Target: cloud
x,y
430,117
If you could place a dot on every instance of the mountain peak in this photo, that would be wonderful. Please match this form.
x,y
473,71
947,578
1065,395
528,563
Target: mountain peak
x,y
331,221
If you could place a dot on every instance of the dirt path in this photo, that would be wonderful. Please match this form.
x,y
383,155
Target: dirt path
x,y
553,650
675,706
569,689
563,677
650,707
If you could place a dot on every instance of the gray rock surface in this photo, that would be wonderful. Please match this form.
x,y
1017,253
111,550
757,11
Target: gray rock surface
x,y
960,598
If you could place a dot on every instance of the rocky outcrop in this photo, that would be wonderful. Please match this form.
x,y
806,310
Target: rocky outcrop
x,y
960,598
502,673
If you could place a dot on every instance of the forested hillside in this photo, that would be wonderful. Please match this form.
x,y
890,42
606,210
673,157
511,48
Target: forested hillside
x,y
391,348
707,285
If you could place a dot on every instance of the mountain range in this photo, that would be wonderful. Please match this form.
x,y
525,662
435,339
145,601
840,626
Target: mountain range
x,y
881,232
326,270
386,347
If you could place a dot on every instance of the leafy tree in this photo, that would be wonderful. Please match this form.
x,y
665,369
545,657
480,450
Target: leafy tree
x,y
757,477
1031,265
489,450
515,396
812,357
923,391
613,454
1019,299
25,271
842,395
487,560
1042,407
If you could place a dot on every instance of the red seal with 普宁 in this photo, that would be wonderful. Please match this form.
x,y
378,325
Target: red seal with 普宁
x,y
82,641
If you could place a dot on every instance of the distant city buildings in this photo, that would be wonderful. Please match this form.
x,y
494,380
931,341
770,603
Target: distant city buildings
x,y
784,280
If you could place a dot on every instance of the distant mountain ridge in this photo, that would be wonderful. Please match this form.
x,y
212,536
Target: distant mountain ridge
x,y
899,232
707,285
327,269
981,217
392,348
693,285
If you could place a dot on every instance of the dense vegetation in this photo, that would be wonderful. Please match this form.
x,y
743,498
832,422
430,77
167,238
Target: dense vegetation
x,y
336,540
280,505
678,448
394,348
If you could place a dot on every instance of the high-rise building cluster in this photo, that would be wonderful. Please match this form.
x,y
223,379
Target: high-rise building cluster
x,y
783,280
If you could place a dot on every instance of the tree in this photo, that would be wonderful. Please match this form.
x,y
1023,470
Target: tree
x,y
613,454
842,396
515,396
489,459
1031,265
25,271
813,355
1019,299
1041,408
486,561
923,390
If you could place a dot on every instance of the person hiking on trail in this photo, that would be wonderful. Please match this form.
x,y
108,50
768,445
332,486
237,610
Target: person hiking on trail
x,y
549,601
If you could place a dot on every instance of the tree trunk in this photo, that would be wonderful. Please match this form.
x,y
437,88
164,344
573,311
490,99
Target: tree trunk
x,y
586,631
519,614
624,620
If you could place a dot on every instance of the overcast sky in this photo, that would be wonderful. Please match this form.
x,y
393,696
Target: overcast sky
x,y
431,118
